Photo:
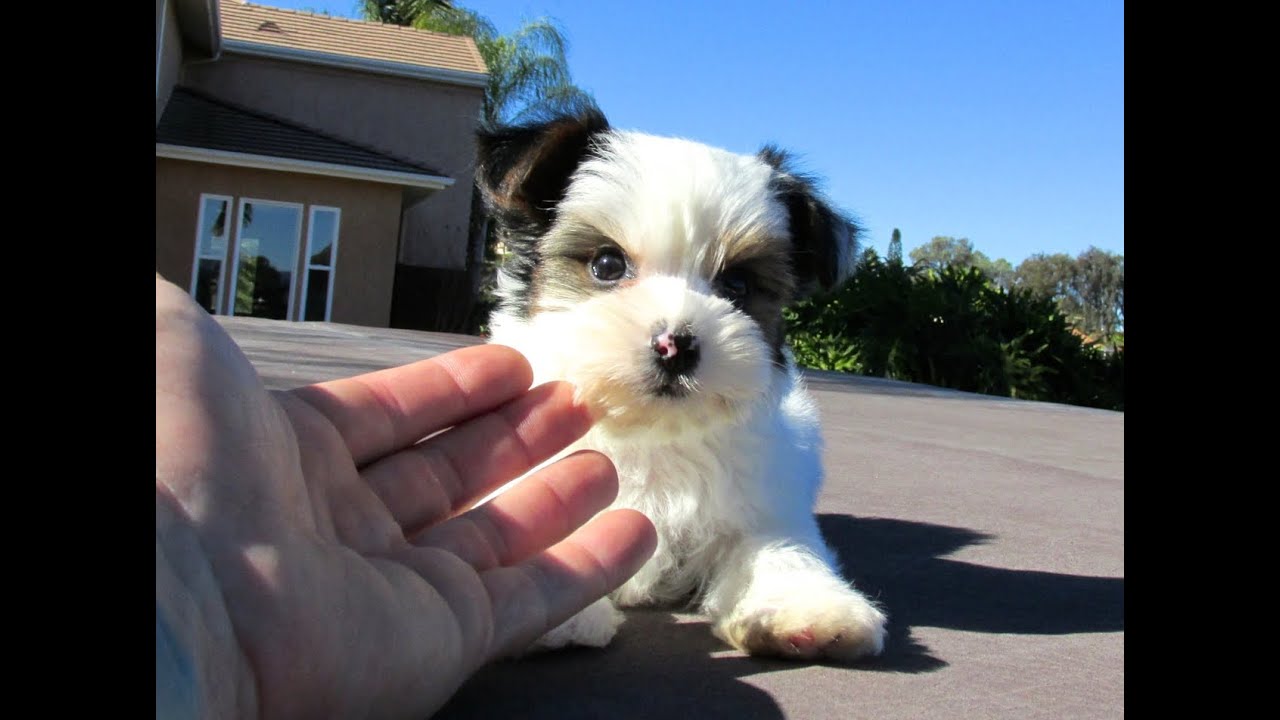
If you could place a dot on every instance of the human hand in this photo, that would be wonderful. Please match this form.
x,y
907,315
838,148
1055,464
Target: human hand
x,y
313,559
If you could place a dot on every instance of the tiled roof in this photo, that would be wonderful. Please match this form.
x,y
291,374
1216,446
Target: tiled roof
x,y
303,31
193,119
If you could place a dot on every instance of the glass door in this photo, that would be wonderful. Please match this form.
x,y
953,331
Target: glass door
x,y
266,258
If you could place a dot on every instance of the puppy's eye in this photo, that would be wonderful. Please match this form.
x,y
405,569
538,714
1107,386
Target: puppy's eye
x,y
734,285
608,264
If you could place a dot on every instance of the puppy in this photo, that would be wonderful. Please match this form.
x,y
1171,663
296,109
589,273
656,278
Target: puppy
x,y
651,273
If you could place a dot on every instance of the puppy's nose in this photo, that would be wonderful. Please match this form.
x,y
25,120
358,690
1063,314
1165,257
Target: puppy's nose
x,y
677,352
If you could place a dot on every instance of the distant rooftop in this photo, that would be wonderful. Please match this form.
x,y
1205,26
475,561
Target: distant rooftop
x,y
195,120
297,31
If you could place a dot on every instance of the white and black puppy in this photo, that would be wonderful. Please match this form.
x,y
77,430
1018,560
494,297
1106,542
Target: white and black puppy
x,y
651,273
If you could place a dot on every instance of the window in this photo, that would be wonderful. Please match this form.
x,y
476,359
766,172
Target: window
x,y
266,257
250,261
207,276
322,252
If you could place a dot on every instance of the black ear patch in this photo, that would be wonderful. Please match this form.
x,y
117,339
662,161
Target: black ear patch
x,y
523,170
824,241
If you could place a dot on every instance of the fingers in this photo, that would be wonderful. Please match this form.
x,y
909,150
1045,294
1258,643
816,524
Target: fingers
x,y
435,479
381,412
534,597
534,514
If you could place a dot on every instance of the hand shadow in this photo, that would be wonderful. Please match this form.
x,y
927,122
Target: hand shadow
x,y
660,665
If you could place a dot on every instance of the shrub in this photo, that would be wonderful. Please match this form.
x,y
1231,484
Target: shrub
x,y
952,328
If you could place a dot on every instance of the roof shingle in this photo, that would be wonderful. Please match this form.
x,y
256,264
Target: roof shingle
x,y
297,30
194,119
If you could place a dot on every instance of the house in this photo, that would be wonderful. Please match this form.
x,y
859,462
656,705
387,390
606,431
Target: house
x,y
315,168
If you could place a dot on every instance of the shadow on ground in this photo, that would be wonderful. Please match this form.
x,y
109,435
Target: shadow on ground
x,y
902,565
656,667
663,663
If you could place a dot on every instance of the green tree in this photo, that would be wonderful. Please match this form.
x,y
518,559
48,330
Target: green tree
x,y
1098,290
1089,289
399,12
1046,275
895,247
999,270
943,252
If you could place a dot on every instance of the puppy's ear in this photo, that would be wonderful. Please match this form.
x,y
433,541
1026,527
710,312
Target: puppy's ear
x,y
523,170
824,241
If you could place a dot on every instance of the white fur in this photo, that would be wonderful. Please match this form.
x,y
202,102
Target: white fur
x,y
666,198
729,473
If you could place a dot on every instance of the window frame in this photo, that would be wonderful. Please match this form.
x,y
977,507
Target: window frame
x,y
309,266
197,256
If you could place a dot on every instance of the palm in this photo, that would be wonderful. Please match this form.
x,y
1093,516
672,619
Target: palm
x,y
365,568
528,68
355,580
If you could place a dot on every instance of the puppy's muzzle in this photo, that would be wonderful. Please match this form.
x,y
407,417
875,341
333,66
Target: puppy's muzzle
x,y
675,353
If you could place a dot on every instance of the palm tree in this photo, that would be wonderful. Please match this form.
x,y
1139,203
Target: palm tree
x,y
528,68
528,76
398,12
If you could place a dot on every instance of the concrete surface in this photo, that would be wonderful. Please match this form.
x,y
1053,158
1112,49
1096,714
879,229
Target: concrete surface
x,y
991,529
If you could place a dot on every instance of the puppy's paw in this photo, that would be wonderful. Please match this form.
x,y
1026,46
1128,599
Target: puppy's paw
x,y
594,626
837,626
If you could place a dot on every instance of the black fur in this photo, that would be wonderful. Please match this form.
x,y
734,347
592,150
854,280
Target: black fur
x,y
525,168
523,172
815,226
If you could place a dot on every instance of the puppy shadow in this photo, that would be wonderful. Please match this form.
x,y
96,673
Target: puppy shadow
x,y
902,565
662,664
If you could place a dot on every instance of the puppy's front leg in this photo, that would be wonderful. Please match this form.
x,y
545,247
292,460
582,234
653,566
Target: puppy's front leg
x,y
594,626
782,596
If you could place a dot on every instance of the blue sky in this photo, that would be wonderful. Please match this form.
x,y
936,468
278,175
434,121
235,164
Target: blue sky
x,y
997,120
